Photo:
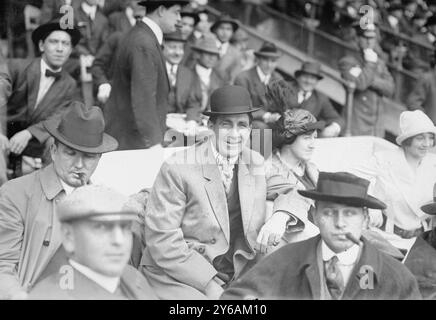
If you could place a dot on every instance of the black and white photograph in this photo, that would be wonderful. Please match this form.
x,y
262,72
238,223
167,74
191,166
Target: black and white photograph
x,y
219,155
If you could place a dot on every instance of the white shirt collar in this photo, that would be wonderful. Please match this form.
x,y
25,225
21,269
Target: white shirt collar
x,y
203,73
155,28
347,257
264,78
89,10
170,66
67,188
108,283
223,47
129,14
221,160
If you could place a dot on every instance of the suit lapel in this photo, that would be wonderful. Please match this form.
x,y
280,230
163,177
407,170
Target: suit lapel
x,y
33,80
311,268
214,188
52,92
246,185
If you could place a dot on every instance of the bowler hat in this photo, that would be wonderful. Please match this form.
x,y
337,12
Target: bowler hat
x,y
225,19
44,30
174,36
207,44
430,208
82,129
309,67
230,100
413,123
343,188
95,202
190,13
268,50
152,5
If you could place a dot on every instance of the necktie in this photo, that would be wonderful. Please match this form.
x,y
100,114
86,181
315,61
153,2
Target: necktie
x,y
334,279
49,73
173,75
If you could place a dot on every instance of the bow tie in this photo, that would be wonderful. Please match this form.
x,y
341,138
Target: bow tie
x,y
49,73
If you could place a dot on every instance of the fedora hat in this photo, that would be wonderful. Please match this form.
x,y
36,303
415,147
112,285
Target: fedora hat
x,y
430,208
268,50
309,67
44,30
343,188
152,5
225,19
82,129
230,100
174,36
413,123
207,44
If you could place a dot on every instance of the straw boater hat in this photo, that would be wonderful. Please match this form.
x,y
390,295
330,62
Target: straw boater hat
x,y
207,44
95,202
413,123
82,129
268,50
225,19
230,100
310,67
44,30
343,188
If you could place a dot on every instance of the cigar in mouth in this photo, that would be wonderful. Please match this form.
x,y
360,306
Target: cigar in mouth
x,y
353,238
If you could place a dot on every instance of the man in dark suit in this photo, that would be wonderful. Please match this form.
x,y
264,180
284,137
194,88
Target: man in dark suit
x,y
185,92
335,265
373,82
229,64
204,70
123,21
41,90
315,102
137,107
257,78
97,237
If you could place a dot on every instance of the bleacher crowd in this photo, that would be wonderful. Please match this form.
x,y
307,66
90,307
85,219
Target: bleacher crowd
x,y
226,217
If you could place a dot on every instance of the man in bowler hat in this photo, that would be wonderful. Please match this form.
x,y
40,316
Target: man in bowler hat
x,y
337,264
29,229
207,206
41,90
96,225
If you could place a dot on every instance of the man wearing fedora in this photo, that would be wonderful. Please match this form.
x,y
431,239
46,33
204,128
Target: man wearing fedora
x,y
257,78
137,107
204,69
373,82
308,98
207,206
96,226
337,264
30,232
185,90
41,90
229,64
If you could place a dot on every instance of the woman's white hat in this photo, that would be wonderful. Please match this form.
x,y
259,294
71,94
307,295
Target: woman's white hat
x,y
413,123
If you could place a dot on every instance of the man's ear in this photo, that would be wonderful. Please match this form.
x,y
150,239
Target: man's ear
x,y
161,10
41,45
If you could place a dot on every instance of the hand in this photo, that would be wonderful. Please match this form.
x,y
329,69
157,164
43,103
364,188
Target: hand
x,y
331,131
375,218
213,290
370,55
19,141
4,143
104,90
272,231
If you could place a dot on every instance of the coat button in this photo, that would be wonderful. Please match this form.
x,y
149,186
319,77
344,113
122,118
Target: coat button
x,y
213,240
201,250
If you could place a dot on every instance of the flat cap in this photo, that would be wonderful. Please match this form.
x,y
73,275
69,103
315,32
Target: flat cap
x,y
95,202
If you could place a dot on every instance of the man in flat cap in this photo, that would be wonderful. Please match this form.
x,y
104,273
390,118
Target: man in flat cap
x,y
96,226
41,90
373,82
137,107
207,206
337,264
29,229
